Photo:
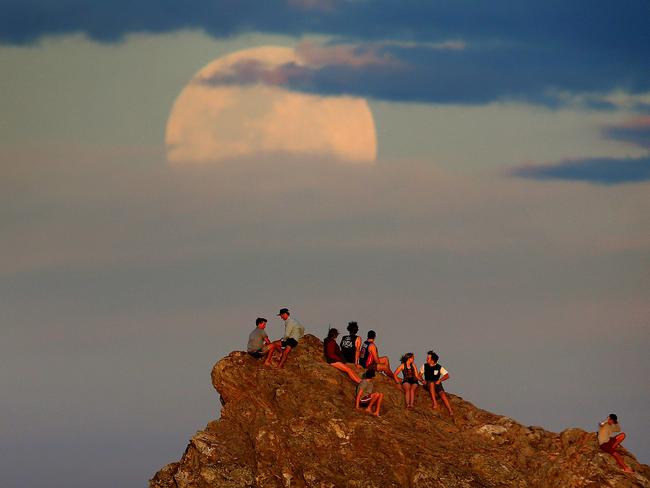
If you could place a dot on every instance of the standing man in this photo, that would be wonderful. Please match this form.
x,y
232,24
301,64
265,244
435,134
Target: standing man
x,y
293,332
609,442
259,344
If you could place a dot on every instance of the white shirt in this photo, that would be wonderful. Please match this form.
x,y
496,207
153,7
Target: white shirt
x,y
293,329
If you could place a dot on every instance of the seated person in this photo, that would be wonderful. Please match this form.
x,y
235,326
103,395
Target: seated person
x,y
369,355
411,378
434,374
293,332
259,344
333,355
351,345
609,442
366,397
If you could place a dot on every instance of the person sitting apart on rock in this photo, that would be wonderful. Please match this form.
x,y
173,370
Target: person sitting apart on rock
x,y
369,355
411,378
366,397
434,374
259,344
334,357
608,442
351,345
293,332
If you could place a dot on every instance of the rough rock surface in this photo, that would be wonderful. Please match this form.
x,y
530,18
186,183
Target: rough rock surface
x,y
297,427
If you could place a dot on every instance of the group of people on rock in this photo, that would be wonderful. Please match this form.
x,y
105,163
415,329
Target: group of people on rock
x,y
358,359
260,346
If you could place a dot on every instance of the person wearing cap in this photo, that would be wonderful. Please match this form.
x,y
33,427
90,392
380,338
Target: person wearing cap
x,y
293,332
259,344
366,397
609,442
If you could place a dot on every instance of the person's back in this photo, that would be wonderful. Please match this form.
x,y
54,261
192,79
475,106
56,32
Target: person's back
x,y
365,359
349,347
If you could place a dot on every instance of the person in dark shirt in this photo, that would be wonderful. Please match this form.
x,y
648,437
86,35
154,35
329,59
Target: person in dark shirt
x,y
434,374
351,345
334,357
411,378
369,355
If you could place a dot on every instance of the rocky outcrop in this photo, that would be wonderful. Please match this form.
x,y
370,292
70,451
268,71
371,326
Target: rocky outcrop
x,y
297,427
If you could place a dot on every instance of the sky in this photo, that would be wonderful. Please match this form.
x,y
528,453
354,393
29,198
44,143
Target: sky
x,y
504,222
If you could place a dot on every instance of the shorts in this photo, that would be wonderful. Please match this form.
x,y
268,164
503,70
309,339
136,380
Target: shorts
x,y
291,342
364,401
608,446
260,353
437,388
410,381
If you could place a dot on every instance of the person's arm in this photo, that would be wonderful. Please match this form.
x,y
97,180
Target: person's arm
x,y
397,371
444,375
418,375
372,351
357,350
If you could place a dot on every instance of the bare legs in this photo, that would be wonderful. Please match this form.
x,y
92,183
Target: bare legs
x,y
443,397
619,459
409,394
283,358
346,370
383,365
375,401
274,346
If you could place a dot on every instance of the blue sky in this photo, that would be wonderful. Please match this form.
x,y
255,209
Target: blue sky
x,y
504,222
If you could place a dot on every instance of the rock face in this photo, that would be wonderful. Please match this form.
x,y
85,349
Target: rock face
x,y
297,427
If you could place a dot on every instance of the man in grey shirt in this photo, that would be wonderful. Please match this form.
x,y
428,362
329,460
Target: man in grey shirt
x,y
259,344
293,332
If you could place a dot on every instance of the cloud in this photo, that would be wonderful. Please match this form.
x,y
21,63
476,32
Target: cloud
x,y
533,52
636,132
604,171
445,73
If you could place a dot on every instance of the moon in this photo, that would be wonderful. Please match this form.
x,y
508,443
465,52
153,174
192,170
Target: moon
x,y
214,123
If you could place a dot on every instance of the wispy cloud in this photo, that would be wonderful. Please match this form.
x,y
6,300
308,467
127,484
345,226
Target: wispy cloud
x,y
604,171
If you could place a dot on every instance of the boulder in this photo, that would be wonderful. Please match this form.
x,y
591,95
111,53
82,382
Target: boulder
x,y
297,427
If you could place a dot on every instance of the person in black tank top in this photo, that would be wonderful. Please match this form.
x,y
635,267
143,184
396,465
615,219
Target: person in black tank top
x,y
411,378
434,374
369,355
351,344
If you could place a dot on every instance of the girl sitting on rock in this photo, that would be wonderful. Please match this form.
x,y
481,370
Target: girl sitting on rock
x,y
411,378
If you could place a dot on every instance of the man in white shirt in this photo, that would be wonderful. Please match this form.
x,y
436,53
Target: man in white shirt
x,y
609,442
434,374
293,332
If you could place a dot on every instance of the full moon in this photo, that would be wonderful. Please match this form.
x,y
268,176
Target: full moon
x,y
211,123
